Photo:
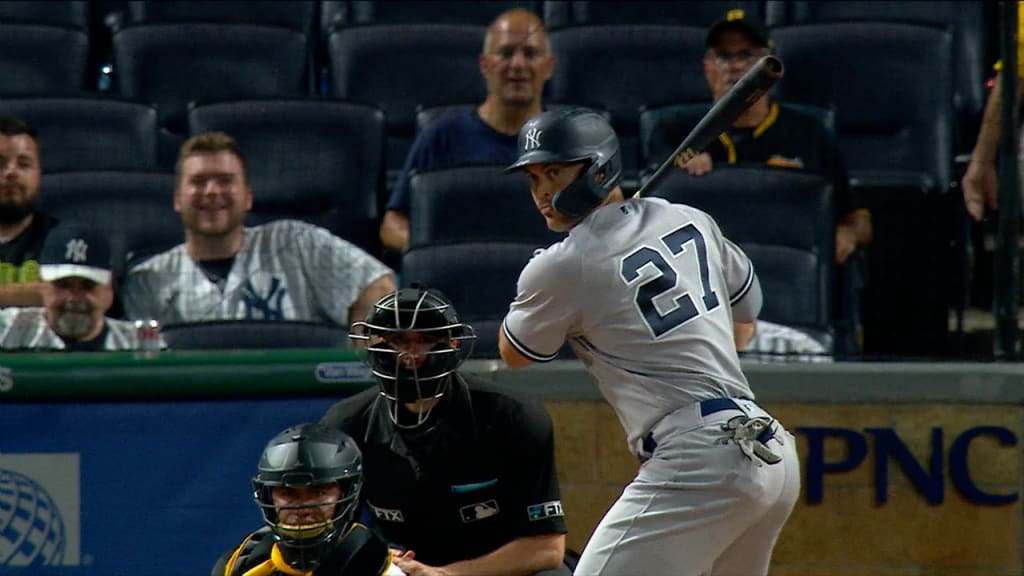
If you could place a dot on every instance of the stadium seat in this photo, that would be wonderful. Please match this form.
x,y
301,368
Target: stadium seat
x,y
889,84
559,14
335,14
480,278
135,209
620,68
37,59
784,220
65,14
491,207
964,19
174,64
662,128
401,66
295,14
892,114
316,160
249,334
89,133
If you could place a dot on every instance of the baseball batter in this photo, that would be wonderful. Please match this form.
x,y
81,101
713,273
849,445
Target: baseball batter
x,y
654,301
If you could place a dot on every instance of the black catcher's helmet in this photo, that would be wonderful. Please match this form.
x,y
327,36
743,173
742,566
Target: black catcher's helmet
x,y
429,313
309,455
572,135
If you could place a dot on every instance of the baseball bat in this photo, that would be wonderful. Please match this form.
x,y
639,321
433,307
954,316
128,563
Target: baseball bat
x,y
747,90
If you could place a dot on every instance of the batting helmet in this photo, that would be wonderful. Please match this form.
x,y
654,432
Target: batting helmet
x,y
573,135
309,455
405,376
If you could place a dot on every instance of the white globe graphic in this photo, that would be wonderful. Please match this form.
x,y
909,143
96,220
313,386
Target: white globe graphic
x,y
31,528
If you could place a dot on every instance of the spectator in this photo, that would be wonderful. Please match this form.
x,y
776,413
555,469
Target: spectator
x,y
460,476
77,292
22,227
980,183
515,63
307,486
283,270
776,136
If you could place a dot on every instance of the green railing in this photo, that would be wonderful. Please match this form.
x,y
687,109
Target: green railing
x,y
179,375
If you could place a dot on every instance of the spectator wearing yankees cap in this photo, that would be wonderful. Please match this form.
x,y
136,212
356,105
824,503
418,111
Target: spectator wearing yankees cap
x,y
75,269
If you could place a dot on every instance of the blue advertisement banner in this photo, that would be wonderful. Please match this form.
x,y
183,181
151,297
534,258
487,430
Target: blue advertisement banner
x,y
132,488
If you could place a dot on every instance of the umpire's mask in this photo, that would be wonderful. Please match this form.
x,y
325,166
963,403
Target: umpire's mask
x,y
413,340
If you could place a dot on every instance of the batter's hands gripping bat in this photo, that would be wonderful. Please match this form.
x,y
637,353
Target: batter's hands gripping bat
x,y
747,90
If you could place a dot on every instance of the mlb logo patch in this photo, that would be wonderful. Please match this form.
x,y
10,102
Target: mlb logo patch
x,y
544,510
479,511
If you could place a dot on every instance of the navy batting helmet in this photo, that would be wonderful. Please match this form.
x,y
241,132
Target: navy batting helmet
x,y
309,455
573,135
405,377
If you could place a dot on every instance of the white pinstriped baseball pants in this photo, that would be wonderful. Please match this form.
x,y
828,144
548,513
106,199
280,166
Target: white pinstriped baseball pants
x,y
698,506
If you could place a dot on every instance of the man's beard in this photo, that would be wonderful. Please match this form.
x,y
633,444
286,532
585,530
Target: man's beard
x,y
74,320
12,213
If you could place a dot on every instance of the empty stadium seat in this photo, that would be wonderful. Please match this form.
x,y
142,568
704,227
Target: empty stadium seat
x,y
620,68
173,64
294,14
335,14
311,159
248,334
399,67
480,278
702,14
89,133
490,207
38,59
964,19
135,209
889,84
66,14
784,219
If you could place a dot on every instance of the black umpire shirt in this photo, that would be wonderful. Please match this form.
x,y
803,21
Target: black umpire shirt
x,y
483,475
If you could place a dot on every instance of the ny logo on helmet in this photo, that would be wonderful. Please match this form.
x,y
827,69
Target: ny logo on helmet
x,y
533,139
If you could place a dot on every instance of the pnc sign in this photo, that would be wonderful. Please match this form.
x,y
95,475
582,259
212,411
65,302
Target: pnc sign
x,y
927,475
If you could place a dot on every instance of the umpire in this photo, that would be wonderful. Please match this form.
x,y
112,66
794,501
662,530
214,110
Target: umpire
x,y
461,478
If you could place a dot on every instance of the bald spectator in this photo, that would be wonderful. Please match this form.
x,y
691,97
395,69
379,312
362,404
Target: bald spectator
x,y
516,63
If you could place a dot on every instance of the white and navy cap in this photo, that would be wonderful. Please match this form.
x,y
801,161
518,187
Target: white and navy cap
x,y
74,250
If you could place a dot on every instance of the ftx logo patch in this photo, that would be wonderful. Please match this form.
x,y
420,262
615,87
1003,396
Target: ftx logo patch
x,y
479,511
544,510
387,515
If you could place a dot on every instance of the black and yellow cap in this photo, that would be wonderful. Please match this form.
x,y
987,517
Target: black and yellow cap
x,y
738,19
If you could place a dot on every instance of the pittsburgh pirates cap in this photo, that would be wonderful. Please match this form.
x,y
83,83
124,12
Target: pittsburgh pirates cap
x,y
738,19
75,250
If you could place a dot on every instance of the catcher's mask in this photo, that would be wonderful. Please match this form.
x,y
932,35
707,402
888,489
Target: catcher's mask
x,y
414,341
569,135
309,455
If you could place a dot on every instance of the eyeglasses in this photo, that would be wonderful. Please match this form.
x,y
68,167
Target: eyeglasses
x,y
743,57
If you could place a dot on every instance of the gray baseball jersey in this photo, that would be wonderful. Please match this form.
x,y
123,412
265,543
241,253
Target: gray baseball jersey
x,y
646,293
26,329
285,270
